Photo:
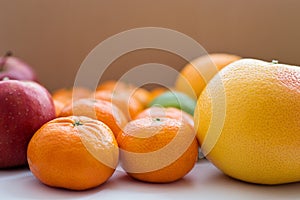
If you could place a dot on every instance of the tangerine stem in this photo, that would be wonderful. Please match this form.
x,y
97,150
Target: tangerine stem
x,y
77,123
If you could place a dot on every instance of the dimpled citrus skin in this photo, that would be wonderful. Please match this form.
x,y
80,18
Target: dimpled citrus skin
x,y
158,150
260,138
74,152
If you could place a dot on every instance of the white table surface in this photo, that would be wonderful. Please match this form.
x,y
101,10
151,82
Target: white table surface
x,y
203,182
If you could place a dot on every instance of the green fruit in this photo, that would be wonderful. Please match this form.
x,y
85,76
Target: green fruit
x,y
175,99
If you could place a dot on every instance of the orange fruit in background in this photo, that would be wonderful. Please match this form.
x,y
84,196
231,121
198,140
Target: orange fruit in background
x,y
139,93
156,92
112,85
65,153
101,110
157,150
195,75
159,112
66,95
142,95
128,104
58,106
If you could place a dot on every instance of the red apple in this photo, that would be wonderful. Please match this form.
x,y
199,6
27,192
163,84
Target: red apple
x,y
24,107
15,69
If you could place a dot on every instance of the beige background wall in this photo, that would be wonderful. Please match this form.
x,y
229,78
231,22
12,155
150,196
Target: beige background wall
x,y
55,36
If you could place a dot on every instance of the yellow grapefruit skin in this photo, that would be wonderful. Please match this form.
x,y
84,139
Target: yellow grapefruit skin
x,y
247,121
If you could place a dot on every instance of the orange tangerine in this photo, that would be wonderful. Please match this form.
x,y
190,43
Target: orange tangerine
x,y
75,153
158,150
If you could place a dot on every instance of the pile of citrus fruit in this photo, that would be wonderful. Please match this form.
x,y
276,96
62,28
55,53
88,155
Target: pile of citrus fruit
x,y
242,112
80,148
150,133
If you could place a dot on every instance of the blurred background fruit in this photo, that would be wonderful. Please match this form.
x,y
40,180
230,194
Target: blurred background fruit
x,y
64,96
195,75
127,103
59,105
141,94
15,69
175,99
155,92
